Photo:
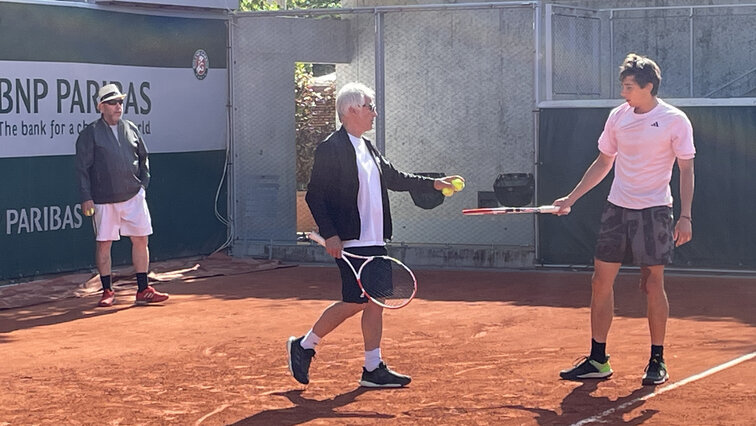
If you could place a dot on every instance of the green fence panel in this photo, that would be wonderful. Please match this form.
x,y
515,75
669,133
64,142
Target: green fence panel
x,y
723,204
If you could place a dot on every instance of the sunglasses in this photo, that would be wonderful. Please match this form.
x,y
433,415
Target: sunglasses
x,y
114,102
371,107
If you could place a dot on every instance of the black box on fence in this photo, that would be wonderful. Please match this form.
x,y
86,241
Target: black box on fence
x,y
487,199
514,189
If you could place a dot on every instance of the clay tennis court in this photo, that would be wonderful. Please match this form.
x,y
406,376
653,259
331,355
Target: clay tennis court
x,y
482,348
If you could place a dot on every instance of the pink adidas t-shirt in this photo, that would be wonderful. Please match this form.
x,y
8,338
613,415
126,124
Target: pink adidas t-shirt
x,y
645,147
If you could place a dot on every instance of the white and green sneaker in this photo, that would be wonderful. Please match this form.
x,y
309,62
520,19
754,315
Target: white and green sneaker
x,y
586,368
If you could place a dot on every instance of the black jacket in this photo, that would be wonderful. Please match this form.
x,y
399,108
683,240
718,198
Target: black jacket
x,y
332,191
111,170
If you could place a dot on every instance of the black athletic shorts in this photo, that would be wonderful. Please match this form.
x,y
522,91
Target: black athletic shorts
x,y
350,290
636,237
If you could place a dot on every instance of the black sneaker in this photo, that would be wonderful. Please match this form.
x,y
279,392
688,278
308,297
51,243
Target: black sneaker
x,y
656,373
383,377
588,369
299,359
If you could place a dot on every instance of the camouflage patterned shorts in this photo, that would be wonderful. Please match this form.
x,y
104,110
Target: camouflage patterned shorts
x,y
636,237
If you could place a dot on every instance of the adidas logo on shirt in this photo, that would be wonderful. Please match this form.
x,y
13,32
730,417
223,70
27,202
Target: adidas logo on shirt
x,y
655,124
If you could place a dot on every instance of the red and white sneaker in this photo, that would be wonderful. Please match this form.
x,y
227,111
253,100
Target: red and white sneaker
x,y
107,299
150,295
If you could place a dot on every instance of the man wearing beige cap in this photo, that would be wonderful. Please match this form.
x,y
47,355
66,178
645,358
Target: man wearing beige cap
x,y
113,173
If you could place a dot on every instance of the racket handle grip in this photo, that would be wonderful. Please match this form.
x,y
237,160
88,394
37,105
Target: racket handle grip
x,y
549,209
314,236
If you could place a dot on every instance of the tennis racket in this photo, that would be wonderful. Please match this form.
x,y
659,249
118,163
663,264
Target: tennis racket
x,y
383,279
510,210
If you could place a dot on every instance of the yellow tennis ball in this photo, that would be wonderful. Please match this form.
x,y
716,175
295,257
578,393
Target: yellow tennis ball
x,y
89,212
458,184
448,192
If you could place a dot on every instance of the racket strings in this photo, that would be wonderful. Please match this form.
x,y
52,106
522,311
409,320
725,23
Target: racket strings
x,y
387,281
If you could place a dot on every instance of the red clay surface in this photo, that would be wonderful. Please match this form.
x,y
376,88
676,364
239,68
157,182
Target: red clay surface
x,y
482,348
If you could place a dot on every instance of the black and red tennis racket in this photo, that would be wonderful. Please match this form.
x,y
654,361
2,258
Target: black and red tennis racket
x,y
385,280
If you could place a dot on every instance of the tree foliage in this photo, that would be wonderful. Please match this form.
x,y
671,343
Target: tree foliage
x,y
309,132
250,5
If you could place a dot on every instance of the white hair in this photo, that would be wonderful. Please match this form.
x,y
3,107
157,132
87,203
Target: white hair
x,y
352,95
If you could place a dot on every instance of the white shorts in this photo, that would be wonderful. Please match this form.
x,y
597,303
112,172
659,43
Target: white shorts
x,y
130,218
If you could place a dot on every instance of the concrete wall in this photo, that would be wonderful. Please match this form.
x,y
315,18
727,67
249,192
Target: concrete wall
x,y
446,105
594,4
703,52
448,108
708,54
460,98
264,156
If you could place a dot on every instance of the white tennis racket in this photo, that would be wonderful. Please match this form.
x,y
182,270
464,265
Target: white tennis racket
x,y
385,280
510,210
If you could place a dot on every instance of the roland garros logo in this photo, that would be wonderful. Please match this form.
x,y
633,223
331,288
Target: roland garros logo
x,y
200,64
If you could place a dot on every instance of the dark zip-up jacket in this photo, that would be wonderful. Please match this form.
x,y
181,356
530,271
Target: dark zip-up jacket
x,y
111,170
332,191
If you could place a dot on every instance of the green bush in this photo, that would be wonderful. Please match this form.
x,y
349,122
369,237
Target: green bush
x,y
308,134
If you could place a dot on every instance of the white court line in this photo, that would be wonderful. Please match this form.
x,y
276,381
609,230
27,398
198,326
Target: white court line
x,y
216,411
675,385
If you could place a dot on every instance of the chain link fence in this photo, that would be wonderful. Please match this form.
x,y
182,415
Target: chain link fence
x,y
449,109
458,89
704,51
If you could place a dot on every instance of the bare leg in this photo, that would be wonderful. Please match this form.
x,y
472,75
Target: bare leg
x,y
602,298
372,326
334,315
140,254
657,305
102,257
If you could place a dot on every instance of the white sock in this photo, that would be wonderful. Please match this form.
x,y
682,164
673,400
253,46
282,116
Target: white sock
x,y
372,359
310,340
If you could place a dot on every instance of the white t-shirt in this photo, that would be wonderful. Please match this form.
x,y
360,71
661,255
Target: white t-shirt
x,y
645,147
369,198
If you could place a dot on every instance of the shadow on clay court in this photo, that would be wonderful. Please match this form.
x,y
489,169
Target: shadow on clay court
x,y
55,313
306,410
580,401
700,298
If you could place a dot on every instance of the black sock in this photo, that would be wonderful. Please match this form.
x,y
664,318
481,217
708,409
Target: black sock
x,y
105,280
598,351
142,282
657,352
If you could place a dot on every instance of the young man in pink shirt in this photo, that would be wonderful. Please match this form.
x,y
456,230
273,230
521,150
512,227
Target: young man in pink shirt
x,y
642,139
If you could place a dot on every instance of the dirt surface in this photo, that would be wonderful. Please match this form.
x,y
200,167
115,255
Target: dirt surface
x,y
482,348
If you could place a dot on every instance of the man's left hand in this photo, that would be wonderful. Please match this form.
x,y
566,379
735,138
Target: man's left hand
x,y
683,231
446,182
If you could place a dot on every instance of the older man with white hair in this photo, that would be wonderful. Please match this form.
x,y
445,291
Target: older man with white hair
x,y
348,198
113,173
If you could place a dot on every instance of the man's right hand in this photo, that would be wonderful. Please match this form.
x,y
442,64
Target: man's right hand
x,y
334,246
87,206
564,204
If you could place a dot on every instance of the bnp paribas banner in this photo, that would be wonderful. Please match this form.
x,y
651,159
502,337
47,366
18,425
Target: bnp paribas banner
x,y
43,106
53,60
